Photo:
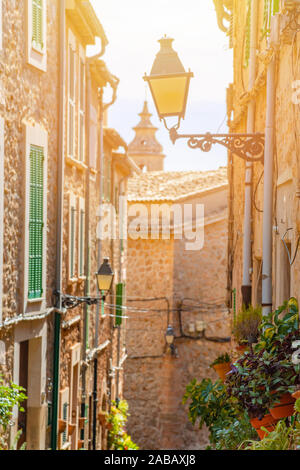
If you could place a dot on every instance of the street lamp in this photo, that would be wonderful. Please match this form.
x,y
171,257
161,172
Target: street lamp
x,y
104,278
169,82
170,337
169,86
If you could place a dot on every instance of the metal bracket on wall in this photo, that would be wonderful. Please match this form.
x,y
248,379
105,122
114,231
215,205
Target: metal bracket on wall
x,y
249,147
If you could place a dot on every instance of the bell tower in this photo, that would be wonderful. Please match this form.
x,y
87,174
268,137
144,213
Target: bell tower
x,y
145,150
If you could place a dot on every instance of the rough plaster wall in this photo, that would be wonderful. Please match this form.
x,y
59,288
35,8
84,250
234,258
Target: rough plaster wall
x,y
155,382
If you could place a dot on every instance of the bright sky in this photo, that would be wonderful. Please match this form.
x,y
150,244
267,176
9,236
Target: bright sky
x,y
133,28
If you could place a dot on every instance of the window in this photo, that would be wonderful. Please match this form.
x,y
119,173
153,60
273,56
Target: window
x,y
81,150
81,237
271,7
35,231
71,112
247,35
72,235
37,37
107,179
37,25
36,223
93,137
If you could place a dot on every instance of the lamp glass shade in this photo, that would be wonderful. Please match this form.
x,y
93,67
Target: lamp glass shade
x,y
169,94
170,335
105,276
169,82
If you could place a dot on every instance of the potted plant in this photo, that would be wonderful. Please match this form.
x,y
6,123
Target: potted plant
x,y
263,378
246,326
62,424
222,365
81,422
248,382
210,405
102,417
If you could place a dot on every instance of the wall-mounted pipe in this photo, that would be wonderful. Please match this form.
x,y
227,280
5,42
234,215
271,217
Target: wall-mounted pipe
x,y
267,295
60,224
247,243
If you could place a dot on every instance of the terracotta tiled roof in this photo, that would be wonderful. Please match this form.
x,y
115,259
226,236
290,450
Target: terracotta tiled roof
x,y
173,185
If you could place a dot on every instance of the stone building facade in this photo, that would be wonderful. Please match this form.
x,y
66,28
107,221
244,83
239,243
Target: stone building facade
x,y
59,165
276,43
173,281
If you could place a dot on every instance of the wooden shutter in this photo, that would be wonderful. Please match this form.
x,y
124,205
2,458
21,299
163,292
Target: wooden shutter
x,y
36,224
276,5
65,418
81,242
119,303
247,35
72,242
37,23
71,129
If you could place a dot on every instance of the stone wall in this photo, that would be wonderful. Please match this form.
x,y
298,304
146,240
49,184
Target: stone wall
x,y
286,169
155,381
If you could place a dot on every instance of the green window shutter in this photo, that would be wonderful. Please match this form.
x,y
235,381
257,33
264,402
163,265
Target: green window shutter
x,y
37,23
275,7
81,240
72,242
65,417
247,35
119,303
36,224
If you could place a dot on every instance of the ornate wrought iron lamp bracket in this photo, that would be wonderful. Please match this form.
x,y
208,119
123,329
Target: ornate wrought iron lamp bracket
x,y
69,302
249,147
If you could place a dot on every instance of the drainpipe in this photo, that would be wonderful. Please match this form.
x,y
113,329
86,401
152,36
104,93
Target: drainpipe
x,y
268,177
102,108
60,206
95,386
247,245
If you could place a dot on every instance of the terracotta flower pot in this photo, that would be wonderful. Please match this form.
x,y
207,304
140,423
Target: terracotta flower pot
x,y
80,444
102,417
284,408
296,394
62,424
71,428
267,422
81,422
222,370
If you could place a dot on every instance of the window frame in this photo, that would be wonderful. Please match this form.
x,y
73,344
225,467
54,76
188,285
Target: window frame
x,y
72,239
81,106
81,238
36,56
35,136
71,96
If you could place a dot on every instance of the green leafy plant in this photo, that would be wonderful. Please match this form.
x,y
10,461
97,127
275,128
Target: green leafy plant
x,y
118,439
222,359
10,395
277,325
210,405
284,436
246,325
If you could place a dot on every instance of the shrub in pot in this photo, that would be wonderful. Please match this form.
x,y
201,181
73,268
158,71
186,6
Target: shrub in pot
x,y
210,405
246,326
263,375
222,365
